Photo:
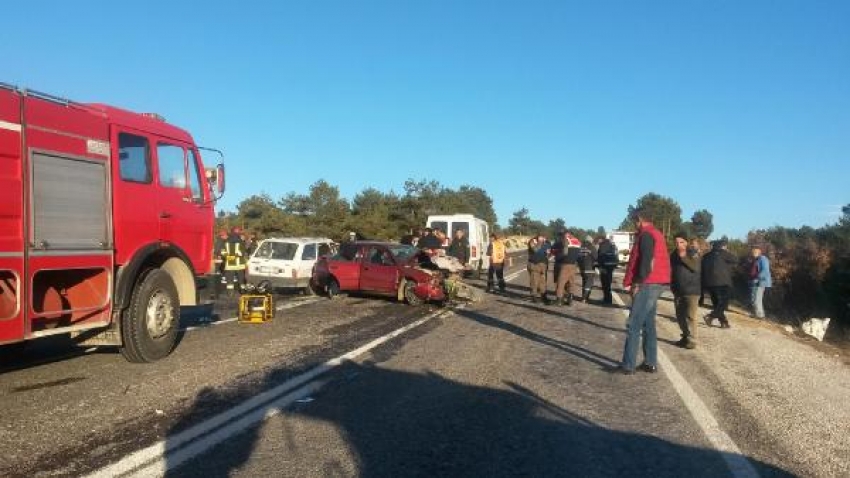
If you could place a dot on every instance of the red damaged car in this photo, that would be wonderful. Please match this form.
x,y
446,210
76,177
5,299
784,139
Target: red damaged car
x,y
381,268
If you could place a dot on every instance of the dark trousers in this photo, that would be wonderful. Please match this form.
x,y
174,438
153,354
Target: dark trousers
x,y
587,278
606,277
719,301
499,271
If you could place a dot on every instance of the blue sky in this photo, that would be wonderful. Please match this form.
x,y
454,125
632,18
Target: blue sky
x,y
571,109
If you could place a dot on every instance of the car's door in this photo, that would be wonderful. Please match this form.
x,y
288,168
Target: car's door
x,y
309,254
346,266
379,271
259,265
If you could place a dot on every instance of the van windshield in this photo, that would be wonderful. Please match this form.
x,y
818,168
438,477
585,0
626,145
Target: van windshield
x,y
277,250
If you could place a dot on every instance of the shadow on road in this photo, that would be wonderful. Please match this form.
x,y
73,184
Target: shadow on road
x,y
580,352
396,423
551,310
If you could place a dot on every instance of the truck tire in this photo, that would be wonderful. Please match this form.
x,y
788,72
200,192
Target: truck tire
x,y
149,326
410,295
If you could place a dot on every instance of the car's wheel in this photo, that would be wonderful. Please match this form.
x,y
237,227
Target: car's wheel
x,y
410,295
149,327
332,289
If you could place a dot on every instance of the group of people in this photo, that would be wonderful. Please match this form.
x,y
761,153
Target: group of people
x,y
651,269
649,272
571,257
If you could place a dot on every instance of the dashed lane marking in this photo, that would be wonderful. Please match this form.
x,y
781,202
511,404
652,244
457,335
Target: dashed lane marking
x,y
165,455
738,464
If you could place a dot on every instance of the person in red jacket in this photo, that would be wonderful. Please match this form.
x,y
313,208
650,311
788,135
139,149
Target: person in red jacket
x,y
647,275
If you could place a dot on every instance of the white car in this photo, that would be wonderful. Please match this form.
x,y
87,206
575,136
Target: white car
x,y
287,263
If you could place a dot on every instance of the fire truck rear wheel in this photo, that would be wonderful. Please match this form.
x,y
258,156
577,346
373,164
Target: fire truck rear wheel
x,y
149,328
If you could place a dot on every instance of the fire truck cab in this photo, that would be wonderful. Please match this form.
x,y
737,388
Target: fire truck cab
x,y
106,221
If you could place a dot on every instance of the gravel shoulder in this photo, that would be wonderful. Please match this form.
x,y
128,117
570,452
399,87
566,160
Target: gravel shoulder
x,y
784,399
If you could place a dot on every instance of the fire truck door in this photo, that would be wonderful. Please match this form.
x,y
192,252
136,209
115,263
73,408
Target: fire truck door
x,y
183,208
11,219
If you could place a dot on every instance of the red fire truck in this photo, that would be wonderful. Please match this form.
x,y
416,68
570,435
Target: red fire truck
x,y
106,222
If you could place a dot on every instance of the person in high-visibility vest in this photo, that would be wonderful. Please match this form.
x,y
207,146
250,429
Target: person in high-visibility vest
x,y
218,258
235,258
497,251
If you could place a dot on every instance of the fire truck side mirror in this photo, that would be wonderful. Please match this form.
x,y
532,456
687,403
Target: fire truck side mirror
x,y
215,177
219,183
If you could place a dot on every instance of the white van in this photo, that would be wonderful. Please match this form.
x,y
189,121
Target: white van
x,y
623,240
287,263
477,231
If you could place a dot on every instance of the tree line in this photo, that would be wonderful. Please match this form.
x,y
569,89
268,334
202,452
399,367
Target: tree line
x,y
371,213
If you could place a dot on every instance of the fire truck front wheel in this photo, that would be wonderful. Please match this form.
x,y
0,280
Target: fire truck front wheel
x,y
149,327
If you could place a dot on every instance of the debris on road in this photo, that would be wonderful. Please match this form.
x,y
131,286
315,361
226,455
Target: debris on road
x,y
816,327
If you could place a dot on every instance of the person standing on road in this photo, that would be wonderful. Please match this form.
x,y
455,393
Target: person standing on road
x,y
538,262
608,260
566,259
496,251
587,256
647,275
235,259
686,285
429,240
459,247
717,278
220,250
760,280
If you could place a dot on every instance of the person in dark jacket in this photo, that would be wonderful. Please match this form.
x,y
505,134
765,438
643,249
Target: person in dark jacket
x,y
459,247
429,241
538,262
587,267
608,261
686,285
717,278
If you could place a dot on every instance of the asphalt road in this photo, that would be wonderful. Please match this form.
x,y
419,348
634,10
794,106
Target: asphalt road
x,y
502,387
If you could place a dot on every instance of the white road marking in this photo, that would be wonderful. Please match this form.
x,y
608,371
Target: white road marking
x,y
278,308
738,464
514,275
167,454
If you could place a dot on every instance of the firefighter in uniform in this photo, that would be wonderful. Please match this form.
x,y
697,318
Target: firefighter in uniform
x,y
218,258
497,252
235,258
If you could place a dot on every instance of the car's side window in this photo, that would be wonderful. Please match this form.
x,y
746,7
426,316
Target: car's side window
x,y
375,255
265,251
309,253
380,256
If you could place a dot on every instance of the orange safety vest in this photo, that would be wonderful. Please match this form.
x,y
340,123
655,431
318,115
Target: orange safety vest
x,y
499,252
